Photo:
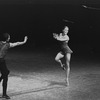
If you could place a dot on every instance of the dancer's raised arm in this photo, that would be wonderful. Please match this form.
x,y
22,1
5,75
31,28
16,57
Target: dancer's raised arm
x,y
19,43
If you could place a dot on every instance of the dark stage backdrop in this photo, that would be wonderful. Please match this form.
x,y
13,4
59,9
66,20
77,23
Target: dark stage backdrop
x,y
39,19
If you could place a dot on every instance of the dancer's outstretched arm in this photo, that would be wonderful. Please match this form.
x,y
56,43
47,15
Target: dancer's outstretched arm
x,y
19,43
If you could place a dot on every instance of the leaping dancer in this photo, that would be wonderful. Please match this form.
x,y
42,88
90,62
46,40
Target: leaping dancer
x,y
65,52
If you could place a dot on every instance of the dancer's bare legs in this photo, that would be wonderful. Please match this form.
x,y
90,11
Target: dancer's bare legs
x,y
67,57
58,59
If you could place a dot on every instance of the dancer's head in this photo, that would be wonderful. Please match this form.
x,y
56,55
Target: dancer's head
x,y
6,37
65,30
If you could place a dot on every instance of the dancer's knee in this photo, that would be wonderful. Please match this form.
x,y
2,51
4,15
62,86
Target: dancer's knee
x,y
56,59
59,56
68,57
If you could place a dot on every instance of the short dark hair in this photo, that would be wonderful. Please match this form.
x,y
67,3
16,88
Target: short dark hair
x,y
5,35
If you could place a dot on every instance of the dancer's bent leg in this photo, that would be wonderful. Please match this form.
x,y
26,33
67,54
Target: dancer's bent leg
x,y
58,59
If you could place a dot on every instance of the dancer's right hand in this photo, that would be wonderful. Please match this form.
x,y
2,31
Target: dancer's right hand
x,y
25,38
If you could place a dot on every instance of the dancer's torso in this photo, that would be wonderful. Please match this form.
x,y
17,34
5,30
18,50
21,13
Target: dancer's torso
x,y
3,49
65,48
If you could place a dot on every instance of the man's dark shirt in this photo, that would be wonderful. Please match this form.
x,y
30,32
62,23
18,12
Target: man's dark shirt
x,y
4,46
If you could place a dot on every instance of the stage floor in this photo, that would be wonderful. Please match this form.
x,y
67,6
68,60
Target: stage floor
x,y
36,76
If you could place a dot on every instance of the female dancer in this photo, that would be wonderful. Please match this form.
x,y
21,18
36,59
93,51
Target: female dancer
x,y
65,51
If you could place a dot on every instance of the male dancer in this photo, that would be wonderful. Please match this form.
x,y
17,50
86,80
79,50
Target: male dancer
x,y
65,52
4,46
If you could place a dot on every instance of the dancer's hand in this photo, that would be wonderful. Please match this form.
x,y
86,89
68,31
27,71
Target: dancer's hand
x,y
25,38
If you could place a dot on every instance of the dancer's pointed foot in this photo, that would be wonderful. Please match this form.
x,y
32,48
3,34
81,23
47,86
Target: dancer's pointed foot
x,y
5,96
67,82
63,66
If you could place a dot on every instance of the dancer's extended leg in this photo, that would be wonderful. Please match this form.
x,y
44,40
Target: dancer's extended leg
x,y
67,57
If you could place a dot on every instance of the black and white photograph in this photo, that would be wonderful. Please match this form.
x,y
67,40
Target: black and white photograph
x,y
49,49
